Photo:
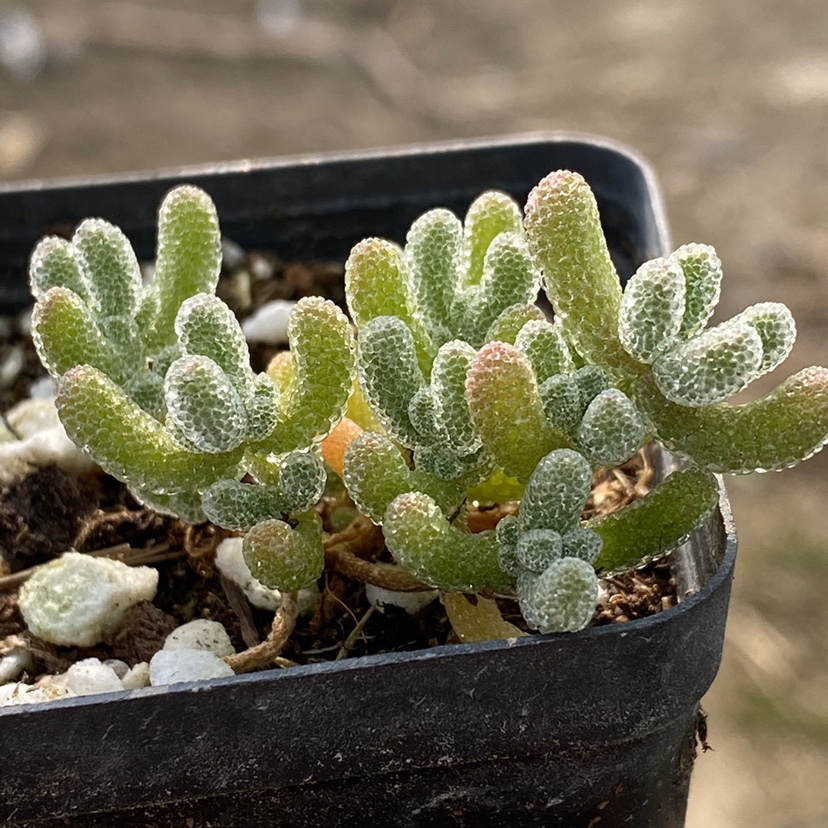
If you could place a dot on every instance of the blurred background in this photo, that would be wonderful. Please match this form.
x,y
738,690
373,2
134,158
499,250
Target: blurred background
x,y
729,100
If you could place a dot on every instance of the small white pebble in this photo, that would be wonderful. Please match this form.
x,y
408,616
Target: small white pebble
x,y
138,676
20,693
43,442
88,677
24,321
411,602
200,634
269,323
77,600
173,666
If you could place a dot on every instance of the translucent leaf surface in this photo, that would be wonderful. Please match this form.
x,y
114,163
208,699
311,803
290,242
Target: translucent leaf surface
x,y
712,367
562,403
544,344
66,334
505,406
538,548
55,263
776,328
652,309
561,599
788,425
375,473
206,326
509,278
203,406
323,349
582,543
489,215
507,533
703,278
657,523
611,430
283,558
389,375
448,379
377,284
557,492
110,267
188,260
510,323
129,443
420,537
433,255
563,229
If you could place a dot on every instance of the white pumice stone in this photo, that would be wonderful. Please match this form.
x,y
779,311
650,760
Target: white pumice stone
x,y
77,600
137,676
37,438
173,666
411,602
20,693
230,562
200,634
88,677
269,323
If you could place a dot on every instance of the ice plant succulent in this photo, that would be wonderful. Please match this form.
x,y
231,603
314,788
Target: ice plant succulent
x,y
457,389
523,408
154,381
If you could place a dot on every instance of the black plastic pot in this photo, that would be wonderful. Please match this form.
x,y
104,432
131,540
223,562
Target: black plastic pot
x,y
595,728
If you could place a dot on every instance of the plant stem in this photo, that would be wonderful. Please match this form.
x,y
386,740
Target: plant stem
x,y
344,551
264,654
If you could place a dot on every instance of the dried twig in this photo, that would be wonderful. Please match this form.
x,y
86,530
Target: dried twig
x,y
351,640
344,553
264,654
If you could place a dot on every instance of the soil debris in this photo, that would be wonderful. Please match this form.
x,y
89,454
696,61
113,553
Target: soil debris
x,y
41,514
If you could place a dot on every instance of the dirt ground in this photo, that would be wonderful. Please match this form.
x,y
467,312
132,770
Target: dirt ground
x,y
728,100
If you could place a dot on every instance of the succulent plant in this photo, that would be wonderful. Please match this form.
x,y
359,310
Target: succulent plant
x,y
154,381
457,389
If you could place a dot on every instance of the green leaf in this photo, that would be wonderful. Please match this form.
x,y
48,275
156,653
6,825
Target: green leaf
x,y
489,215
324,365
375,472
188,260
564,232
658,523
504,401
129,443
433,253
283,558
109,266
557,492
420,537
788,425
66,334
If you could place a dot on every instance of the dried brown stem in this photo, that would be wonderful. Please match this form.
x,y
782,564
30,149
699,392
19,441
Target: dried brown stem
x,y
264,654
345,552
